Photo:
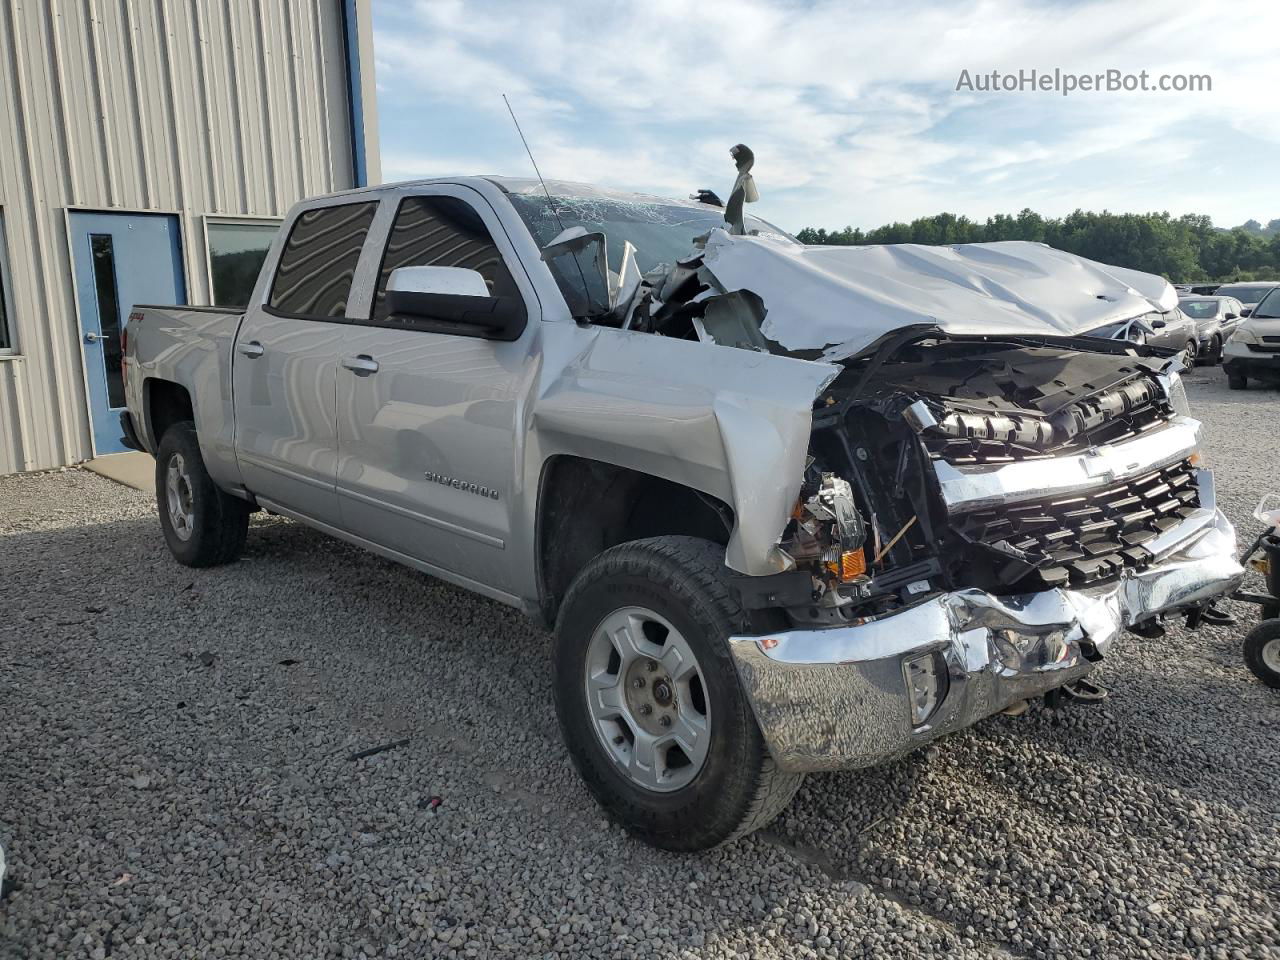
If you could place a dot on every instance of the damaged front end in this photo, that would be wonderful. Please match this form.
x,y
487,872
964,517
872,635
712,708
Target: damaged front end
x,y
987,499
1015,507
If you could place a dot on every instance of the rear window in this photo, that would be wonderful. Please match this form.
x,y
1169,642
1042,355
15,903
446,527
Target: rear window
x,y
1247,293
319,260
1200,309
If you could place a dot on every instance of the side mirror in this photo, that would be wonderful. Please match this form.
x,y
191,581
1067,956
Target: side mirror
x,y
1231,316
1158,324
1246,312
453,300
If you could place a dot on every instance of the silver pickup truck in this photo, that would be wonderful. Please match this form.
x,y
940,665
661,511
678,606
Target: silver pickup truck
x,y
788,508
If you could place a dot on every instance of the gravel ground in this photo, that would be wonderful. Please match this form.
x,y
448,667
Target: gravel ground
x,y
175,776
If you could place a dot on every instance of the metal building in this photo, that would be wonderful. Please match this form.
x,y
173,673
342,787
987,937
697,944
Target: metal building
x,y
148,149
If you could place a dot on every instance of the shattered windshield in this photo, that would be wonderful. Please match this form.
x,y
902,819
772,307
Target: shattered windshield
x,y
662,232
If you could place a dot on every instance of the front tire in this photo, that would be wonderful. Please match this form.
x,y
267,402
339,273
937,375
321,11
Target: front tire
x,y
1237,381
649,701
203,526
1215,351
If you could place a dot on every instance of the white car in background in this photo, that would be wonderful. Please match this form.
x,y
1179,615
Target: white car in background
x,y
1253,350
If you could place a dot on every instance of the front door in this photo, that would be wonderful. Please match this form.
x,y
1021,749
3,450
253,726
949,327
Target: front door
x,y
427,421
118,259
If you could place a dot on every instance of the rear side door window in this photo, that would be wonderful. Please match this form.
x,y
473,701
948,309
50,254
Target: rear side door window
x,y
441,231
318,262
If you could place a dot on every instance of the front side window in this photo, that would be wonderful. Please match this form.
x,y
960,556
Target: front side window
x,y
236,253
319,260
441,232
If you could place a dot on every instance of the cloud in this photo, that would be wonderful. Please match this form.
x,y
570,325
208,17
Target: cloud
x,y
851,108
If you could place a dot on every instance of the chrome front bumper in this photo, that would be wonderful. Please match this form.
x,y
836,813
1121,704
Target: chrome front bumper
x,y
837,698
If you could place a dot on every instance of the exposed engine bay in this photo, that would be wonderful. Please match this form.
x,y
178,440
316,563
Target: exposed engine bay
x,y
883,537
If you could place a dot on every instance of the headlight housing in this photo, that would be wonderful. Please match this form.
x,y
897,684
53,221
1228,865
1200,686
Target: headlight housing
x,y
1243,335
1177,393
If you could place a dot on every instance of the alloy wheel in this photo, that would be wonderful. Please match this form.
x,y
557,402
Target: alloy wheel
x,y
647,699
178,497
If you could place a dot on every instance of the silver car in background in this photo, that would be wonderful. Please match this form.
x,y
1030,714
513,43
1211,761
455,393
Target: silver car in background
x,y
1215,319
1172,330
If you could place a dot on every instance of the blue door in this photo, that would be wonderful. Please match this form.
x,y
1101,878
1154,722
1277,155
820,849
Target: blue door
x,y
119,259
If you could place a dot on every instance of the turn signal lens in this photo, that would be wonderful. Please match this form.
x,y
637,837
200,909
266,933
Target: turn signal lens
x,y
853,564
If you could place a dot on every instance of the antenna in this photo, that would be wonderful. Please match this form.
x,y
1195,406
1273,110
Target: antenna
x,y
551,204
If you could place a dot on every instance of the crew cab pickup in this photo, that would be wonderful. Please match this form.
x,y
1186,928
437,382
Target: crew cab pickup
x,y
787,508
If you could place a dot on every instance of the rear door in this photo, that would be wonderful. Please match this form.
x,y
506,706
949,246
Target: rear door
x,y
427,422
284,370
118,259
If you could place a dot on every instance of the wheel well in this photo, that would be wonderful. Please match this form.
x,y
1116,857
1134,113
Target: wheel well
x,y
586,506
166,403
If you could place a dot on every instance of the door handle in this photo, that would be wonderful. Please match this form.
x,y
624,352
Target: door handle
x,y
251,349
95,337
362,365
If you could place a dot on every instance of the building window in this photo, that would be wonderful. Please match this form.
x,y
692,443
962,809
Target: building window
x,y
319,260
236,252
104,284
6,338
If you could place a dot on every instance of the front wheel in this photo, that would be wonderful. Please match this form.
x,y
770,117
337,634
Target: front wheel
x,y
1215,350
649,701
203,526
1237,381
1189,353
1262,652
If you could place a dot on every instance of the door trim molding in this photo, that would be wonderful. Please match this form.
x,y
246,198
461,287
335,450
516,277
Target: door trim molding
x,y
486,539
284,472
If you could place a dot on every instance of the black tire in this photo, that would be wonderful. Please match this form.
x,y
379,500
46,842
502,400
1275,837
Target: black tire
x,y
1264,634
1237,381
738,788
1191,352
1215,350
219,521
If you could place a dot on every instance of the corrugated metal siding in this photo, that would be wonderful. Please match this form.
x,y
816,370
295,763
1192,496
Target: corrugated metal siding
x,y
194,107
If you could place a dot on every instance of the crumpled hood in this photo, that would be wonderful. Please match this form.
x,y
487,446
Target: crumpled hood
x,y
842,299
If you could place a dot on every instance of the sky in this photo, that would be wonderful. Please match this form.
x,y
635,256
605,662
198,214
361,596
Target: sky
x,y
852,109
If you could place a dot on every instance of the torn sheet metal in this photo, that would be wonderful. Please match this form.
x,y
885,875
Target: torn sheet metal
x,y
692,414
839,300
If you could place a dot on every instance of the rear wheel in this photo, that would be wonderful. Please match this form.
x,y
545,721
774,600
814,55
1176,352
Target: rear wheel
x,y
649,701
202,526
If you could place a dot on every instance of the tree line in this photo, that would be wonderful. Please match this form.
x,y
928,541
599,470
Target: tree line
x,y
1182,248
